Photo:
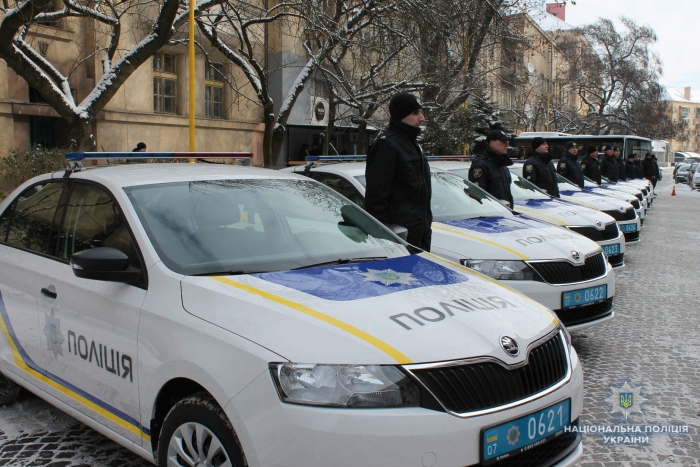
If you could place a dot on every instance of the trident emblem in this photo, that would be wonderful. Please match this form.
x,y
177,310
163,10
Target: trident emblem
x,y
626,400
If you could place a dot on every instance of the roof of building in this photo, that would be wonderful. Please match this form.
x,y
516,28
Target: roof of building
x,y
549,22
678,95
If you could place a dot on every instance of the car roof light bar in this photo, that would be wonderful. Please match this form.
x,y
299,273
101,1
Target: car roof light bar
x,y
83,156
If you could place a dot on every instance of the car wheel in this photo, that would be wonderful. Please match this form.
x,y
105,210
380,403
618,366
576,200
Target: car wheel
x,y
196,432
9,390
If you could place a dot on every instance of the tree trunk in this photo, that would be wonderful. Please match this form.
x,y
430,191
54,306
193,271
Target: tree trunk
x,y
278,135
81,134
269,155
361,134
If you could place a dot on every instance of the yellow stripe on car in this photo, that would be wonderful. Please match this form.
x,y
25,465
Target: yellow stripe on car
x,y
538,213
483,240
383,346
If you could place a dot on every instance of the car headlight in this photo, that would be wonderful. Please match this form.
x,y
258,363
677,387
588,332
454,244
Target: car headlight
x,y
350,386
501,270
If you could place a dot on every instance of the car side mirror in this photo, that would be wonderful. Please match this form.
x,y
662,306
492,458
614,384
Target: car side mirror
x,y
399,230
104,264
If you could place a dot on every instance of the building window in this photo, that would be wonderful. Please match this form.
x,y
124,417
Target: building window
x,y
164,83
214,90
684,111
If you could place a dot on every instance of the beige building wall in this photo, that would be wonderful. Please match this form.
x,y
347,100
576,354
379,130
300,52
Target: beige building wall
x,y
685,107
129,116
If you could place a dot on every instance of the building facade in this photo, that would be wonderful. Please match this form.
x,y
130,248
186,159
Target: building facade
x,y
685,107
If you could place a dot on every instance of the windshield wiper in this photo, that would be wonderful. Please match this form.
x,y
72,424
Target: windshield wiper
x,y
341,261
227,273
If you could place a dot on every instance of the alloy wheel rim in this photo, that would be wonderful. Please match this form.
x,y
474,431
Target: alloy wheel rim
x,y
194,445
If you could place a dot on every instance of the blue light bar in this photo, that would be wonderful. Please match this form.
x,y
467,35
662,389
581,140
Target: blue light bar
x,y
81,156
334,158
448,158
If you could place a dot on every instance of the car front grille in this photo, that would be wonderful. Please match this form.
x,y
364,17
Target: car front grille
x,y
616,260
611,231
628,215
639,196
563,272
636,204
486,385
631,236
545,454
645,191
586,313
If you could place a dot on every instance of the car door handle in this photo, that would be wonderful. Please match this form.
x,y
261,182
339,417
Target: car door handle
x,y
48,293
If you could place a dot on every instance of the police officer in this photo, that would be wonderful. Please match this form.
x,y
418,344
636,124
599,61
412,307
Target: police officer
x,y
649,169
608,164
590,167
568,164
638,170
629,167
538,168
397,173
620,165
490,171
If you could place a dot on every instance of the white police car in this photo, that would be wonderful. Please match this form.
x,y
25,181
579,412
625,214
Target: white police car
x,y
535,204
563,270
214,315
592,187
623,212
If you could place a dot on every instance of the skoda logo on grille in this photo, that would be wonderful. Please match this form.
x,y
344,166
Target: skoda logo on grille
x,y
510,346
575,255
599,224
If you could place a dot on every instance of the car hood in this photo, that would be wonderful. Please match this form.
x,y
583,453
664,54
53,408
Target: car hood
x,y
412,309
595,201
560,212
609,192
624,188
509,238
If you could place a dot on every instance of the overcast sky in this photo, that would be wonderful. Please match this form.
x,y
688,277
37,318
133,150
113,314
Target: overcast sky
x,y
676,25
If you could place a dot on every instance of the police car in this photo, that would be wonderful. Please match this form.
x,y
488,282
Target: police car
x,y
561,269
642,185
535,204
218,315
644,199
623,212
639,203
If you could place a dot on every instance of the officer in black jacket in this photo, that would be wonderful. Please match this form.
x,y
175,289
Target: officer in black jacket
x,y
649,168
590,165
608,164
620,165
638,171
538,168
629,167
398,187
490,169
568,165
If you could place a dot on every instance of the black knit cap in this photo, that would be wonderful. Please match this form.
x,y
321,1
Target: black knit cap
x,y
591,149
141,146
608,146
570,144
537,142
631,156
497,135
402,105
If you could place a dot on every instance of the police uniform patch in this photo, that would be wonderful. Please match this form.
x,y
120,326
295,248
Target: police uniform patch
x,y
583,166
477,173
563,165
528,168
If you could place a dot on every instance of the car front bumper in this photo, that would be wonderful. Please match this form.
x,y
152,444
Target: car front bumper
x,y
276,434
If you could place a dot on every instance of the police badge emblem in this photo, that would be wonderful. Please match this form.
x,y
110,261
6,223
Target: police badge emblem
x,y
477,173
626,400
528,168
583,166
563,165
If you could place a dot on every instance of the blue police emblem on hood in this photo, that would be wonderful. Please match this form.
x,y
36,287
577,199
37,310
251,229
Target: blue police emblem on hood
x,y
489,225
366,280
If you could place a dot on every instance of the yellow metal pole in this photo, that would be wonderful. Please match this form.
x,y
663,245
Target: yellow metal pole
x,y
191,77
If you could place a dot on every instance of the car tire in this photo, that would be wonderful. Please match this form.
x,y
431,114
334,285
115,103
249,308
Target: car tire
x,y
9,390
191,428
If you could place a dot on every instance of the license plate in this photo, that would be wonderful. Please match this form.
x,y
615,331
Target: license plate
x,y
611,250
626,228
584,296
510,439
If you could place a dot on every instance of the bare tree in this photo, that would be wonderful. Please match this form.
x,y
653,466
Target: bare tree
x,y
119,58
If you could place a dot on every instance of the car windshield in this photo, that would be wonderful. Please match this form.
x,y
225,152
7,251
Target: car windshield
x,y
261,225
523,190
455,198
565,185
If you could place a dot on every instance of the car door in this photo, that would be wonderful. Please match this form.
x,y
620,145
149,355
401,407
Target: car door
x,y
99,320
28,229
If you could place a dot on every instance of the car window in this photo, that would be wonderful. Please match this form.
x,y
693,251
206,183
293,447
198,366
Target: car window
x,y
200,227
29,222
93,220
339,184
455,198
566,185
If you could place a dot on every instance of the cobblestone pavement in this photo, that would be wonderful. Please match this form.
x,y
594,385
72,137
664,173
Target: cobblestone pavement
x,y
652,343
